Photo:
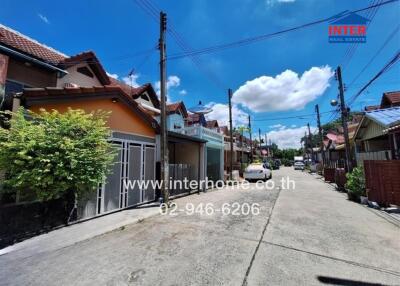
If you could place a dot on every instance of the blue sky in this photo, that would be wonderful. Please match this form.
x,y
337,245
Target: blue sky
x,y
118,30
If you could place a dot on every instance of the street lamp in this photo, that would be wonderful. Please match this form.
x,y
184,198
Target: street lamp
x,y
334,102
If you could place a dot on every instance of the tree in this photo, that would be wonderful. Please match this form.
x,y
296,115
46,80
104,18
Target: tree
x,y
52,153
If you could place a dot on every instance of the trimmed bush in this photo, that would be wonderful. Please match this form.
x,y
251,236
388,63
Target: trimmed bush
x,y
355,184
52,153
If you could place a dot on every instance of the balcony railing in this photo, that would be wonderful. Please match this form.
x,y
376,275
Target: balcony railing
x,y
213,138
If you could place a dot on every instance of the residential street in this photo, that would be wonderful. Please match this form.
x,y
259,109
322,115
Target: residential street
x,y
308,236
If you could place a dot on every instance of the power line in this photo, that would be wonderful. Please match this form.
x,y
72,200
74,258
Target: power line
x,y
389,38
216,48
370,14
290,117
385,69
152,10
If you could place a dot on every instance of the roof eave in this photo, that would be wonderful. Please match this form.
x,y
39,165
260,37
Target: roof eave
x,y
31,59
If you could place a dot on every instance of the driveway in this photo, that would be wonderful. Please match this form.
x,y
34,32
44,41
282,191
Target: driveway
x,y
308,236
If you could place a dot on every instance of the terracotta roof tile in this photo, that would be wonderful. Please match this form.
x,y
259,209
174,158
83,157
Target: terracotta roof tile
x,y
390,99
174,107
127,88
212,124
24,44
393,96
91,59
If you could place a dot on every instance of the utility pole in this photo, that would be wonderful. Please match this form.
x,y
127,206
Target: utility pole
x,y
251,143
231,134
310,142
163,120
344,111
266,144
320,135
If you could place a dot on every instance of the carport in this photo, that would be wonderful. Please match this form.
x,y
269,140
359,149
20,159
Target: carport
x,y
186,160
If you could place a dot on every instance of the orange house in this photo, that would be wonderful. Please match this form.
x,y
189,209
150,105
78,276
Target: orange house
x,y
133,132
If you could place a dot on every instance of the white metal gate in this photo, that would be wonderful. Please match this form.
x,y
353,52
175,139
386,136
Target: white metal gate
x,y
135,161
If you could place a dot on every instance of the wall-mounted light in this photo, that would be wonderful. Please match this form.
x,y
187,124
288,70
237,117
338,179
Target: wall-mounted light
x,y
114,100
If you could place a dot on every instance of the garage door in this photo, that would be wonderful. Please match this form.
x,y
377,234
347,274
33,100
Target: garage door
x,y
135,161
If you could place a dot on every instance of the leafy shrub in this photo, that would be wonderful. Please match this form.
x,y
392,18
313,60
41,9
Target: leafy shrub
x,y
355,184
52,154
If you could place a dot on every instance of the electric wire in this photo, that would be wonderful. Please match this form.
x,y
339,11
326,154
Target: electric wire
x,y
246,41
385,69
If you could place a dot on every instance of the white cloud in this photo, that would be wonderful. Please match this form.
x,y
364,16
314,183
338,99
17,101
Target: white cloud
x,y
286,91
113,75
271,3
131,80
288,137
183,92
277,126
220,112
43,18
172,81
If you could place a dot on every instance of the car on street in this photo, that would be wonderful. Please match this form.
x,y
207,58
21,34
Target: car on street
x,y
299,166
258,171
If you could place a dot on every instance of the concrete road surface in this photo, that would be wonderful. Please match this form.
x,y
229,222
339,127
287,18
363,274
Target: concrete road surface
x,y
308,236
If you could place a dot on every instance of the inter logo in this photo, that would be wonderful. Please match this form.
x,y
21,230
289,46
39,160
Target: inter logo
x,y
351,28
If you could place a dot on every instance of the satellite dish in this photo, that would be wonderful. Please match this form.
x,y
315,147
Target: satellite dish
x,y
200,109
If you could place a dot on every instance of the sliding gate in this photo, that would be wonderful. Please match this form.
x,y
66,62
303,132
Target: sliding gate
x,y
134,163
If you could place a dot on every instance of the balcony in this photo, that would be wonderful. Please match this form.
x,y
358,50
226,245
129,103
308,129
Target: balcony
x,y
237,146
214,139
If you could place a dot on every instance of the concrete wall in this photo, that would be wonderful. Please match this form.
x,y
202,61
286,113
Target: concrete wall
x,y
175,120
78,78
121,117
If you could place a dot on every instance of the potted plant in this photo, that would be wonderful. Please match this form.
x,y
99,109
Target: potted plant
x,y
355,184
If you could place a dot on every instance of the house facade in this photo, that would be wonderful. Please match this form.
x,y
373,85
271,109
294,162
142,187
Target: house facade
x,y
195,125
133,134
36,76
377,136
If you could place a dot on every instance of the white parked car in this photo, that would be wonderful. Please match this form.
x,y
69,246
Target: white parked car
x,y
257,171
299,166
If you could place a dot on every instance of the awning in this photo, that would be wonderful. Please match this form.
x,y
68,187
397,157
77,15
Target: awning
x,y
175,137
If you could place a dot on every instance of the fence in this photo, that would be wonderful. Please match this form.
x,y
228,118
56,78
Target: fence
x,y
24,220
382,180
378,155
178,172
